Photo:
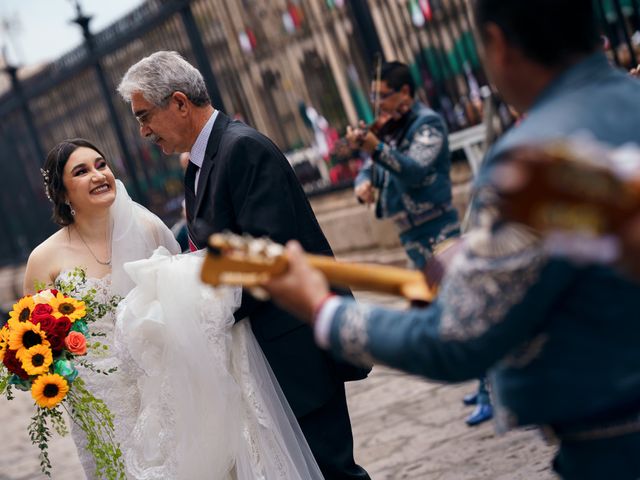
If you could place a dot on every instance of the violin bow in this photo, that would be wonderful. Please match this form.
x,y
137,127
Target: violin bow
x,y
376,92
376,106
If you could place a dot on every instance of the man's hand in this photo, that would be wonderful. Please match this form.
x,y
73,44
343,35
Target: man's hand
x,y
361,138
364,192
301,289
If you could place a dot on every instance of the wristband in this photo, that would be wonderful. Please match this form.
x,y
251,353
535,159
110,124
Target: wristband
x,y
316,311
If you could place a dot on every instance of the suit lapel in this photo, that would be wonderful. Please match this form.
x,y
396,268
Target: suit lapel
x,y
219,127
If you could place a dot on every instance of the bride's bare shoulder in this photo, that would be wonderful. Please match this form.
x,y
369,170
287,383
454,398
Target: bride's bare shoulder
x,y
44,261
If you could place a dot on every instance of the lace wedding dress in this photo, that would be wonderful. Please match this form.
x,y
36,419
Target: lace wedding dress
x,y
210,407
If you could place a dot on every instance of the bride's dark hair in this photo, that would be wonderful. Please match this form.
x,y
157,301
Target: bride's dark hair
x,y
52,172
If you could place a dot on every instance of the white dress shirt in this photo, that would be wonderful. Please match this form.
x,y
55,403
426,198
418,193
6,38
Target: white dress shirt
x,y
199,148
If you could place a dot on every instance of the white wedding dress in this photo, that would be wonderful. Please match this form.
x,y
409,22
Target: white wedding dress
x,y
210,407
193,396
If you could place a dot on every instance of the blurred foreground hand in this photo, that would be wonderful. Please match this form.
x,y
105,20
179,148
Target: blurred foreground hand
x,y
302,289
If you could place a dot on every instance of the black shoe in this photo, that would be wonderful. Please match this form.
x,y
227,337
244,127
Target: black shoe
x,y
482,413
470,399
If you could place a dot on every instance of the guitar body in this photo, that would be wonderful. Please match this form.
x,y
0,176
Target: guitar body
x,y
550,188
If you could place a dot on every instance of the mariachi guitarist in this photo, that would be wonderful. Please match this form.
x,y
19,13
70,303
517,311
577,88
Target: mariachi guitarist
x,y
561,340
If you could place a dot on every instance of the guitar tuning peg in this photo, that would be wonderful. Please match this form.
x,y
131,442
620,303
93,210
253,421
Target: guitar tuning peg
x,y
274,250
256,247
237,242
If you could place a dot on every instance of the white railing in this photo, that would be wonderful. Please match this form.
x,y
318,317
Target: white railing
x,y
308,161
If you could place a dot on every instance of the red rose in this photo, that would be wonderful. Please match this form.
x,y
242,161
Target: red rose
x,y
57,344
39,311
47,324
58,332
62,327
14,365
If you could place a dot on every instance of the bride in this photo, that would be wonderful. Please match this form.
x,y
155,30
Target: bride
x,y
193,396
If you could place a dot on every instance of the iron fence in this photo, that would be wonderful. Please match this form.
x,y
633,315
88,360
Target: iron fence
x,y
265,62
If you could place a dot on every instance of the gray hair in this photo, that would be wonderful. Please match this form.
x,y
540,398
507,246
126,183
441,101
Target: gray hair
x,y
159,75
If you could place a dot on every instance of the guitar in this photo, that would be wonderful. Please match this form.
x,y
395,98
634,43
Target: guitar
x,y
554,188
245,261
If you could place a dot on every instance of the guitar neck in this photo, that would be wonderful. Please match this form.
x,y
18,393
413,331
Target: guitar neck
x,y
222,269
379,278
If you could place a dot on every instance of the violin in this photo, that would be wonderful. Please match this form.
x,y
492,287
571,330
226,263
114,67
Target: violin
x,y
384,124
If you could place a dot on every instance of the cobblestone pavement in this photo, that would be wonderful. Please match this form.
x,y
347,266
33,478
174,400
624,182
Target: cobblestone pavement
x,y
404,428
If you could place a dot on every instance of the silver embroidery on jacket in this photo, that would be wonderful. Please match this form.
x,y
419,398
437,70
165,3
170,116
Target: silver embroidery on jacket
x,y
499,264
416,208
426,145
353,335
388,159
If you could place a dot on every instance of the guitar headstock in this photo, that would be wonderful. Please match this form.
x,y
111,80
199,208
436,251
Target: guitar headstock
x,y
242,260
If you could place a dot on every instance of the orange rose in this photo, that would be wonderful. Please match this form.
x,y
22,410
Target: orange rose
x,y
76,343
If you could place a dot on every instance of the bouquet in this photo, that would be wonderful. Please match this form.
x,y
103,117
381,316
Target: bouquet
x,y
46,337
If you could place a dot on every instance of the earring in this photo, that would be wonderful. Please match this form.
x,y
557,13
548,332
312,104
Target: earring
x,y
73,212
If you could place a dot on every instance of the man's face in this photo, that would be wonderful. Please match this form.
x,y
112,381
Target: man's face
x,y
392,103
162,125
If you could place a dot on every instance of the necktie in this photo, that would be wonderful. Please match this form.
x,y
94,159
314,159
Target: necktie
x,y
190,196
190,189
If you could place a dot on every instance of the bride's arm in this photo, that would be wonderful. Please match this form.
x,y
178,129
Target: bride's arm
x,y
39,268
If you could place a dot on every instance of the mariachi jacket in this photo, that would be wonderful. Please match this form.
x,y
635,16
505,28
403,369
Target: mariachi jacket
x,y
412,171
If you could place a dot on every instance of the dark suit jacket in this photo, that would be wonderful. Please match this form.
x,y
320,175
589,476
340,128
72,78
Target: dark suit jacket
x,y
246,185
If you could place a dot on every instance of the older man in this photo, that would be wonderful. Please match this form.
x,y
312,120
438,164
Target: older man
x,y
562,341
238,180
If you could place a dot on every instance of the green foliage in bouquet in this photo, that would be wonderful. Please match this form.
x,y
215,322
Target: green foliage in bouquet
x,y
41,345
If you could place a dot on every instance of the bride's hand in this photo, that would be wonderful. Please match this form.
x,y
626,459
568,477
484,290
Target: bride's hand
x,y
301,289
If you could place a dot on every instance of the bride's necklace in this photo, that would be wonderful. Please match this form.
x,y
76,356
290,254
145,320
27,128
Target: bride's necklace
x,y
107,262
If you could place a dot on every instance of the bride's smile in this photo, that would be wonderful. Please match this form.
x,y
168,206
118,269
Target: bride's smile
x,y
104,188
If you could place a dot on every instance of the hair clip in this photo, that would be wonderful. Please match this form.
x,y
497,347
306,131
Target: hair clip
x,y
45,176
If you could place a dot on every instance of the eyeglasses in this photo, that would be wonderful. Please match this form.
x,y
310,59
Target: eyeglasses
x,y
145,117
379,96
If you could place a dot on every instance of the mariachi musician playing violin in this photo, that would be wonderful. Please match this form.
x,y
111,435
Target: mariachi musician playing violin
x,y
408,163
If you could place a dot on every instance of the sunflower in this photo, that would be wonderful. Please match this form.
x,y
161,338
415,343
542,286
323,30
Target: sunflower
x,y
37,360
22,309
49,390
4,341
23,336
67,307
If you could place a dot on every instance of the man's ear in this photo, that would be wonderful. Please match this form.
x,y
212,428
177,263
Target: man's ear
x,y
496,45
181,101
